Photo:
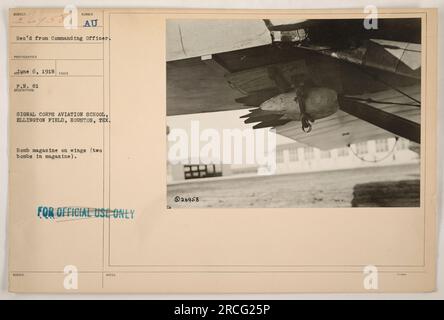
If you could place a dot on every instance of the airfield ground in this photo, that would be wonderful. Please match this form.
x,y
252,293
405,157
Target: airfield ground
x,y
318,190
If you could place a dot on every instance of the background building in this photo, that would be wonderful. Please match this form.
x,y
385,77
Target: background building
x,y
294,158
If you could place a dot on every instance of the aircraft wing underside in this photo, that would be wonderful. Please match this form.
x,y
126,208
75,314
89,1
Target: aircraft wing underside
x,y
342,128
377,83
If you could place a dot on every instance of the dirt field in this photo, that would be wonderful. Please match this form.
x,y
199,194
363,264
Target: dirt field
x,y
321,189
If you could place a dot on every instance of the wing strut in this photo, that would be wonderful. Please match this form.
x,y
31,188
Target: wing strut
x,y
397,125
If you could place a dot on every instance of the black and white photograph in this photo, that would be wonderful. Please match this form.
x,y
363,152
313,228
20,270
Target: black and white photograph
x,y
293,113
259,150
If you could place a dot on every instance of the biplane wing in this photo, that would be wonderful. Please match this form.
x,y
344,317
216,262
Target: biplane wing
x,y
326,83
343,128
